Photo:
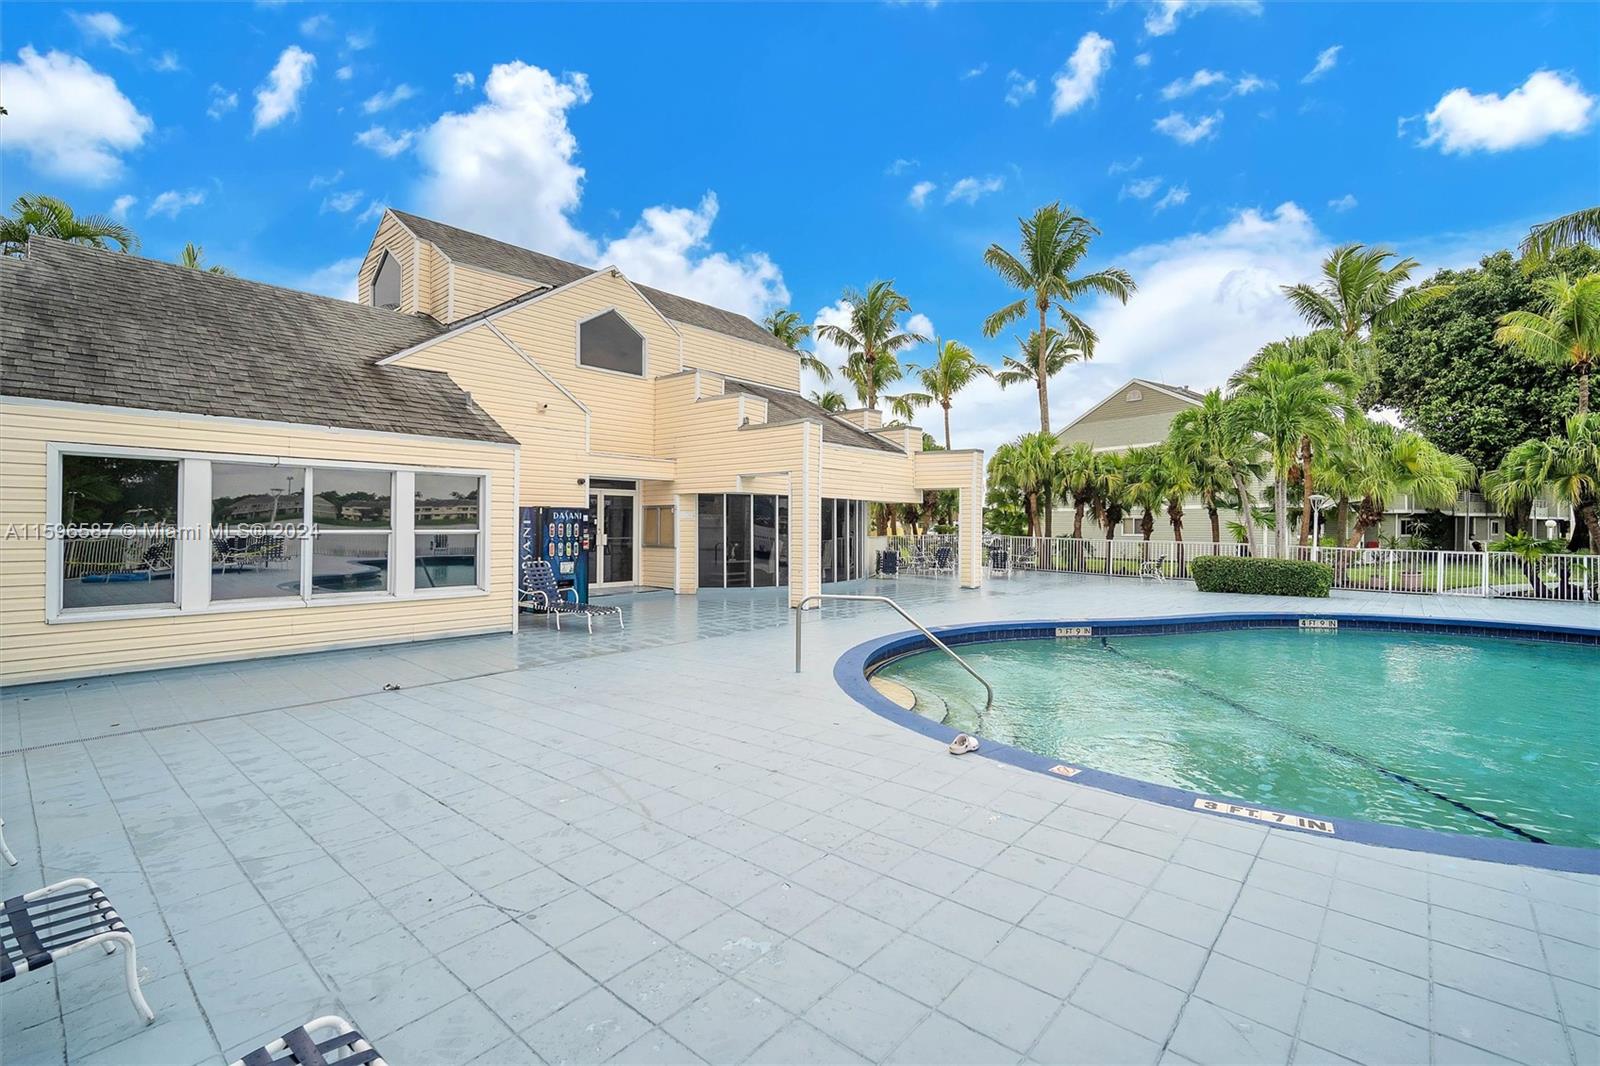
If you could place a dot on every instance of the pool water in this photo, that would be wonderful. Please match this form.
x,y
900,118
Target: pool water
x,y
1487,736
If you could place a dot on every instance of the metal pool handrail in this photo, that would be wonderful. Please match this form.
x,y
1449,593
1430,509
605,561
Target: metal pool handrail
x,y
799,615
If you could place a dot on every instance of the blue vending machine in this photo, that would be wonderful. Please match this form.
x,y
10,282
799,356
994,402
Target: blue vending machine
x,y
563,537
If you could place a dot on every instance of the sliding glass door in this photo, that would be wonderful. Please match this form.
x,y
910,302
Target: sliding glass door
x,y
743,541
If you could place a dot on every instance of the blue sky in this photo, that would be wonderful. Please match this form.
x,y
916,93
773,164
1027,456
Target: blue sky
x,y
753,155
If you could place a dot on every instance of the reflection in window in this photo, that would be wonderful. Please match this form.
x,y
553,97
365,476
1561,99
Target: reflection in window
x,y
764,542
446,501
446,560
607,342
351,499
255,514
710,542
349,562
386,283
120,548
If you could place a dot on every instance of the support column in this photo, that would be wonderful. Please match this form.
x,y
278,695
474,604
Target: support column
x,y
805,518
970,526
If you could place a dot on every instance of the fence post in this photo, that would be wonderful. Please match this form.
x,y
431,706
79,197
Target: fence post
x,y
1441,574
1483,589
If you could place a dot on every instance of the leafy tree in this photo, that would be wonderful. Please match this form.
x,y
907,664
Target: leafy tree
x,y
1360,291
872,339
194,257
1146,484
1565,464
1028,468
1439,365
48,216
1565,329
1054,244
1111,499
791,329
1080,471
1373,462
1222,455
830,400
954,367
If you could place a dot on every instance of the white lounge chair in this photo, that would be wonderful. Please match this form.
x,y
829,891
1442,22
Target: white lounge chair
x,y
51,923
299,1047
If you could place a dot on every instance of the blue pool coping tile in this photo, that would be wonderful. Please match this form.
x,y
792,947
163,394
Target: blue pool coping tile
x,y
853,669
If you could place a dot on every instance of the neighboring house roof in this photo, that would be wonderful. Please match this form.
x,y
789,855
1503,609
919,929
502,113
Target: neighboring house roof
x,y
785,406
474,249
1177,390
1180,392
81,325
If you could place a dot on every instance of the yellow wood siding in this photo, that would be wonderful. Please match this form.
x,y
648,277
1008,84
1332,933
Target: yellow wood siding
x,y
859,474
476,290
1118,422
719,353
31,649
398,241
658,566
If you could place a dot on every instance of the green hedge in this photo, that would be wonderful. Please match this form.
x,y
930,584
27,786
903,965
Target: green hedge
x,y
1262,577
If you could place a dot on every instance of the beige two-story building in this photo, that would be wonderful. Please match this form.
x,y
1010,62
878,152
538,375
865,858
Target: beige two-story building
x,y
173,424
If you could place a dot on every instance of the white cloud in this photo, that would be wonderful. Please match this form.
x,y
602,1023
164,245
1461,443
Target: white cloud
x,y
373,210
1249,83
1079,81
337,279
1544,106
342,202
1181,129
222,101
1327,59
102,27
1200,79
1176,195
975,72
670,247
279,97
1019,88
968,190
918,196
315,25
507,168
319,181
358,42
345,73
172,201
383,101
900,166
465,81
1140,189
1163,17
1123,168
119,206
70,120
1142,59
167,62
386,144
1343,203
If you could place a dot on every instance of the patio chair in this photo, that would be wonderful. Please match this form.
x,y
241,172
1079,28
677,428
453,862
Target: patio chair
x,y
540,593
11,860
53,922
999,560
944,560
1152,568
889,563
299,1048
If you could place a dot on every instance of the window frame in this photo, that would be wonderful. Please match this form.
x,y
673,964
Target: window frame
x,y
644,346
660,512
385,258
481,531
193,555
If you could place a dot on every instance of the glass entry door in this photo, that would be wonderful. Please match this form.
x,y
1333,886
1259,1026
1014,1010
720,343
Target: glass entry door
x,y
616,531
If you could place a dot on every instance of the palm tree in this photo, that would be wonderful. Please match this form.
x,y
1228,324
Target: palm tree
x,y
791,329
1110,500
954,368
1547,238
1026,467
830,400
1080,469
1058,350
1146,484
1222,455
1567,327
194,257
1567,465
872,339
1054,243
48,216
1373,462
1360,291
1283,401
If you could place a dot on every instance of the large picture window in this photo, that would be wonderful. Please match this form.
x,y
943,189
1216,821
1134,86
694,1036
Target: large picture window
x,y
144,533
743,541
120,517
446,519
607,342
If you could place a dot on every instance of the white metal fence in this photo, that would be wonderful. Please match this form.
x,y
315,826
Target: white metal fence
x,y
1446,573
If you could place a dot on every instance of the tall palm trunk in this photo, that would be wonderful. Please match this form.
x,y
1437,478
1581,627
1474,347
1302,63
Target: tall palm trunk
x,y
1077,519
1031,503
1306,506
1583,391
946,405
1246,514
1280,511
1041,371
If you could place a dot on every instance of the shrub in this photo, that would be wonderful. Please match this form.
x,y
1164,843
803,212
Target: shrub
x,y
1261,577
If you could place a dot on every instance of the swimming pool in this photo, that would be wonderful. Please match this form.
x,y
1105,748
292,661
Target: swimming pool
x,y
1486,736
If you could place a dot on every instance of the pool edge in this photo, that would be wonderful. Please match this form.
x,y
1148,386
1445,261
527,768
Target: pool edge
x,y
851,671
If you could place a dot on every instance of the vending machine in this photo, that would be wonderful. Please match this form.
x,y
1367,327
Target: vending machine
x,y
563,537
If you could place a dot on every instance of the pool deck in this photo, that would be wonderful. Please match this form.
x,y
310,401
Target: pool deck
x,y
665,846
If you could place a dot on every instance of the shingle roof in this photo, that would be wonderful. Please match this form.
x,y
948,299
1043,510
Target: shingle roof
x,y
87,326
784,406
474,249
